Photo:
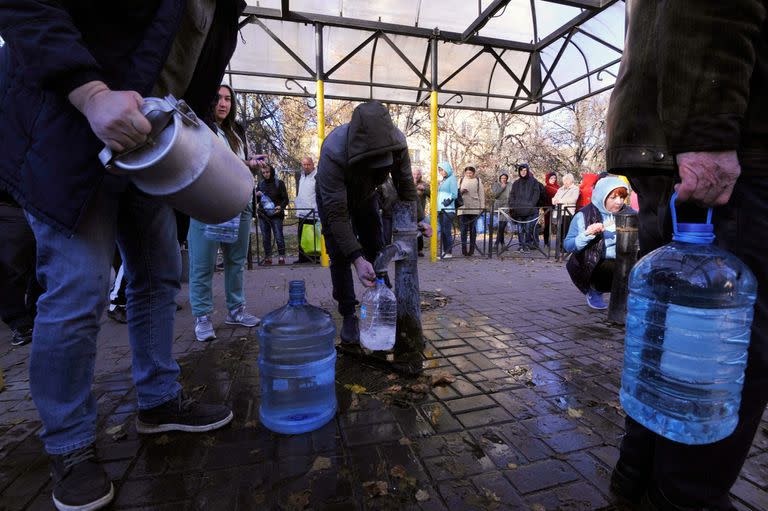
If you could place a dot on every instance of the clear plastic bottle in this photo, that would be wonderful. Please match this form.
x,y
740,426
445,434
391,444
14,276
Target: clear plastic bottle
x,y
297,362
689,314
267,204
226,232
378,316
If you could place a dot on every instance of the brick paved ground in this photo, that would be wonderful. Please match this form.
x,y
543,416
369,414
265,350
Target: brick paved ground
x,y
531,422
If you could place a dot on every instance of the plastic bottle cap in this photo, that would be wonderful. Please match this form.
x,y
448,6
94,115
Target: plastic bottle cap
x,y
701,234
296,290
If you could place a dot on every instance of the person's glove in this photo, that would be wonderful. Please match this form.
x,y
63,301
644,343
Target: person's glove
x,y
447,202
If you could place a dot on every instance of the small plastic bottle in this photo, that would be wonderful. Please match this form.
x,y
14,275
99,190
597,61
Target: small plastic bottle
x,y
267,204
378,316
297,365
689,314
226,232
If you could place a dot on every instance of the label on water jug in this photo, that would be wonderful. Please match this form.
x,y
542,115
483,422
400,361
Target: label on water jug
x,y
363,310
699,341
280,384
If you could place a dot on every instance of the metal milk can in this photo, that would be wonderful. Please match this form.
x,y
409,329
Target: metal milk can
x,y
185,163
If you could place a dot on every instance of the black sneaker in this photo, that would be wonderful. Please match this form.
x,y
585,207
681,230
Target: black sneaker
x,y
118,314
183,414
21,336
350,330
80,482
628,485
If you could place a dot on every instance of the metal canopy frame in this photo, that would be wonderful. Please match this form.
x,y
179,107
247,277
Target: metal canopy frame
x,y
537,91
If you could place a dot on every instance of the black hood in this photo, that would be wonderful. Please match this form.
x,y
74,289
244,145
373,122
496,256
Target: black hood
x,y
372,133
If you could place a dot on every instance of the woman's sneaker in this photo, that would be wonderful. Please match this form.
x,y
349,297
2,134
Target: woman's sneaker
x,y
79,481
21,336
204,329
240,317
595,300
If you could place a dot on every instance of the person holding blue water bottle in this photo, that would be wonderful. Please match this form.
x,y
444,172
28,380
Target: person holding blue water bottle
x,y
688,114
273,199
233,236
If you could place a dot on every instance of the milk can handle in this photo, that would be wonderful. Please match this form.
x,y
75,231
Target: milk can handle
x,y
674,216
158,121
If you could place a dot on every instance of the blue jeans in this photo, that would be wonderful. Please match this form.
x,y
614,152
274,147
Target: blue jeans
x,y
271,225
525,231
446,230
75,274
202,264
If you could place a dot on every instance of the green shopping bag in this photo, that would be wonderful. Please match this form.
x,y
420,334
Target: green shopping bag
x,y
310,238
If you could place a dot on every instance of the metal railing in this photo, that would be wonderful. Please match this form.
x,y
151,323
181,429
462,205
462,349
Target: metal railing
x,y
485,241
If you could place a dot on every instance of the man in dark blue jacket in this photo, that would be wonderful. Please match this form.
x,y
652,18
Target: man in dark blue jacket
x,y
72,78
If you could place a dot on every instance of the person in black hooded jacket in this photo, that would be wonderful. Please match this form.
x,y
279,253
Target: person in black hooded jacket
x,y
523,198
355,158
271,222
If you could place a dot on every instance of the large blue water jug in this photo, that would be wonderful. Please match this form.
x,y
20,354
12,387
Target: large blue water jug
x,y
297,361
689,314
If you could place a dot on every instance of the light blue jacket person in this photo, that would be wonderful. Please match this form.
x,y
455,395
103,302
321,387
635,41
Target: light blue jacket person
x,y
577,239
592,239
446,208
448,189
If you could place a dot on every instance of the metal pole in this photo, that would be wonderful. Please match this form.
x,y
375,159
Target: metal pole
x,y
558,232
489,230
626,257
410,339
433,154
320,100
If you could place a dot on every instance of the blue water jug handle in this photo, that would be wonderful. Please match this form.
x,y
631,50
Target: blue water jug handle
x,y
691,233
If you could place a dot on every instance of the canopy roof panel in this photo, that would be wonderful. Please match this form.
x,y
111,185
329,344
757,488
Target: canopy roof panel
x,y
526,56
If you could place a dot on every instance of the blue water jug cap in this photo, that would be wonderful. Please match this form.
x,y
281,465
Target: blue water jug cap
x,y
296,292
700,234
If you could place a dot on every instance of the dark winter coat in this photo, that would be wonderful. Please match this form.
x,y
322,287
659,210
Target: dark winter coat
x,y
343,180
49,153
275,190
693,77
549,189
525,194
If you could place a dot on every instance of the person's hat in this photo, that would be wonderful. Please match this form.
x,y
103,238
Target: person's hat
x,y
523,166
380,160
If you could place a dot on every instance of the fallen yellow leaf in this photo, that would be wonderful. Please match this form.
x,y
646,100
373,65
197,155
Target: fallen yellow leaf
x,y
355,388
321,463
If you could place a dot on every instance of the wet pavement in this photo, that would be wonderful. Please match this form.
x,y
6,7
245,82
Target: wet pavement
x,y
517,409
